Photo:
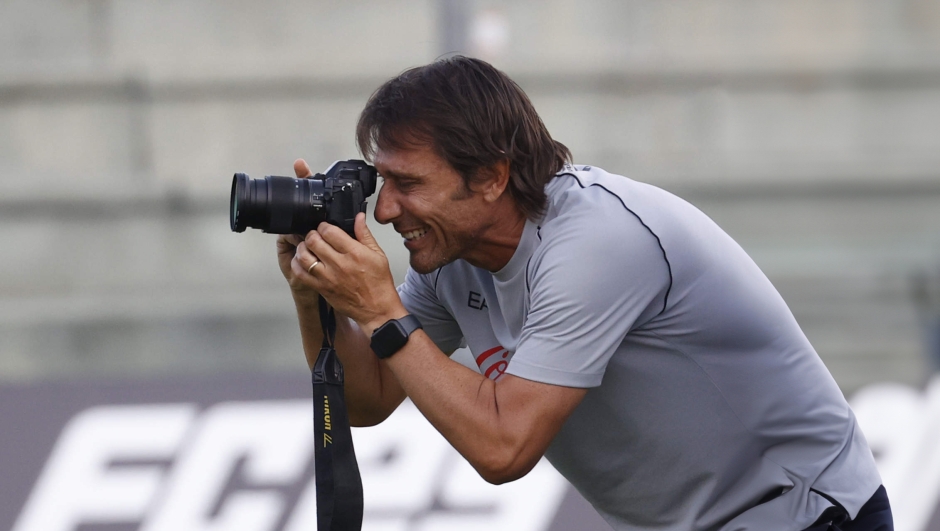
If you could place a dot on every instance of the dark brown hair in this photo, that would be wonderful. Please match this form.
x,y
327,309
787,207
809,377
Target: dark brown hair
x,y
473,116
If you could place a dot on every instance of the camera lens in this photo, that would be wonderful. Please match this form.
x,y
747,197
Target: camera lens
x,y
276,205
237,217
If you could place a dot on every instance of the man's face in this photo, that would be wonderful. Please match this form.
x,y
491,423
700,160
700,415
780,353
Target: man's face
x,y
427,202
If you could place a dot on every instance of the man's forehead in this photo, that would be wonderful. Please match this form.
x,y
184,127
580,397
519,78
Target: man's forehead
x,y
407,161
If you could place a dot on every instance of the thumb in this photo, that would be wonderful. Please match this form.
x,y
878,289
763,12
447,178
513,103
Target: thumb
x,y
364,235
302,169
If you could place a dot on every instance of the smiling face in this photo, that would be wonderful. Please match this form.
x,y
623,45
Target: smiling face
x,y
440,220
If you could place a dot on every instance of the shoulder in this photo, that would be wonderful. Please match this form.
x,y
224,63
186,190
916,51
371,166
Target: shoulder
x,y
588,206
590,220
590,186
589,197
592,235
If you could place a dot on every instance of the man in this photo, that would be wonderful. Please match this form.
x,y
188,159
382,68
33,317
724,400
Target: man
x,y
618,330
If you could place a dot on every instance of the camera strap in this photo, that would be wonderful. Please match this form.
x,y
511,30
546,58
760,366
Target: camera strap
x,y
339,486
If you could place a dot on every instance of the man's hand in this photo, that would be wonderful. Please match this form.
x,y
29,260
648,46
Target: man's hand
x,y
287,248
352,275
372,392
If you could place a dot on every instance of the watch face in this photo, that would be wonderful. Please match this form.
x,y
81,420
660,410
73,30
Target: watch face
x,y
389,339
392,336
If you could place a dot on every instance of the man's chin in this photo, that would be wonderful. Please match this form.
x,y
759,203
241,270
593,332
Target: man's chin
x,y
424,267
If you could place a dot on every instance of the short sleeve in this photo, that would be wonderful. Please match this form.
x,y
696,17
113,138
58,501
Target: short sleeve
x,y
598,274
419,296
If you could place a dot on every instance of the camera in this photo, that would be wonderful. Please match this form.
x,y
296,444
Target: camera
x,y
285,205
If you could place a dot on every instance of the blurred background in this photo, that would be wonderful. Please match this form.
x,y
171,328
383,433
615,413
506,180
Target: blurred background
x,y
810,131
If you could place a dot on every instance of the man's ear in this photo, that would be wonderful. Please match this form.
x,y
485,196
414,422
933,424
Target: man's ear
x,y
497,180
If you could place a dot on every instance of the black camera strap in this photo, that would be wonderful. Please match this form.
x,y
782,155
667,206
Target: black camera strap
x,y
339,486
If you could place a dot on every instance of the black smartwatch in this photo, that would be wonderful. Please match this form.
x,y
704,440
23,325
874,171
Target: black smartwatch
x,y
392,336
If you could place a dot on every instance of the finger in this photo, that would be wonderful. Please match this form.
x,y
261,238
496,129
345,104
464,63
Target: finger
x,y
297,268
304,277
313,267
302,169
315,244
319,276
364,235
292,239
289,240
336,238
306,259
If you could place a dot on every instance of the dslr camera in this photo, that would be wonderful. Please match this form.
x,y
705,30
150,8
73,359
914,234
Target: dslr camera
x,y
285,205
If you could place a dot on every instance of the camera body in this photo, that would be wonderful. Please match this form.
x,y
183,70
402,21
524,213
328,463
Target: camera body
x,y
285,205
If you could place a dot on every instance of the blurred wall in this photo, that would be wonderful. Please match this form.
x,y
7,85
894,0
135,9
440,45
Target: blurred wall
x,y
809,130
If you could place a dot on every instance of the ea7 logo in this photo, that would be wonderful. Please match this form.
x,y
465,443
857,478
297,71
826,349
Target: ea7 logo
x,y
248,466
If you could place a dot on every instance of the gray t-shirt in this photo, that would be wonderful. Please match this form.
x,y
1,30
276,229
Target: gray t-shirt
x,y
705,396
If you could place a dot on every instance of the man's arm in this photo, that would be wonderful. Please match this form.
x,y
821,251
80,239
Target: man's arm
x,y
372,392
502,428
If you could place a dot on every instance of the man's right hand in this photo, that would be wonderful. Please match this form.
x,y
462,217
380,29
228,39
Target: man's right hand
x,y
287,249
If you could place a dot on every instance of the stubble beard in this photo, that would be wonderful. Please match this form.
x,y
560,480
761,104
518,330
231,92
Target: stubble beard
x,y
463,242
434,262
441,257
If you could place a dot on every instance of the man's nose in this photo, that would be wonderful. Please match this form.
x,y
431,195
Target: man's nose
x,y
386,206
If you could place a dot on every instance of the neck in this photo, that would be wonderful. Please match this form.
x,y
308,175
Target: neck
x,y
499,240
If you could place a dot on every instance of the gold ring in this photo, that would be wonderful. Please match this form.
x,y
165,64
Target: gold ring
x,y
310,269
